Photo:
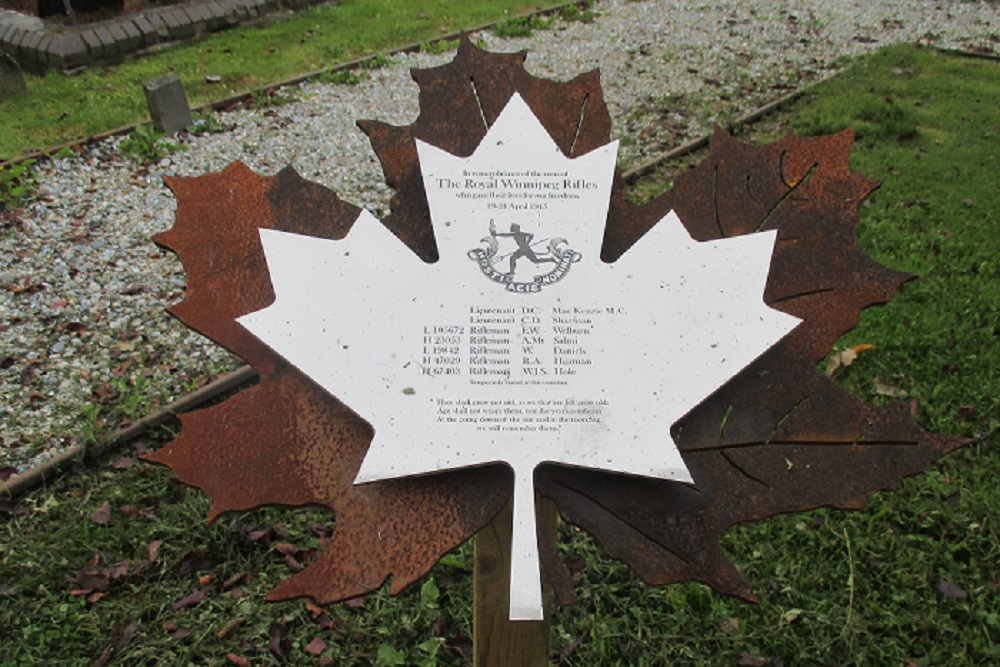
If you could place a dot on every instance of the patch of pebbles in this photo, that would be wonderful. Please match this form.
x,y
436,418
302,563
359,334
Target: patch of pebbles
x,y
84,290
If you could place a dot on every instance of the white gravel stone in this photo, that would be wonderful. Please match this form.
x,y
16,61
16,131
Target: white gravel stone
x,y
86,290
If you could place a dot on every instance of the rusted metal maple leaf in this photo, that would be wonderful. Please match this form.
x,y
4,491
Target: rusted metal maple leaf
x,y
779,437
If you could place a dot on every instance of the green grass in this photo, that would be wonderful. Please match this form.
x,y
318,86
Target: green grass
x,y
521,27
912,580
934,215
60,108
17,185
147,144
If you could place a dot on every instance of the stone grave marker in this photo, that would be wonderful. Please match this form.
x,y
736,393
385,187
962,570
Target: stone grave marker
x,y
168,105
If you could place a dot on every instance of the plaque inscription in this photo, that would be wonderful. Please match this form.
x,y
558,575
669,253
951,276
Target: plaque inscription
x,y
519,345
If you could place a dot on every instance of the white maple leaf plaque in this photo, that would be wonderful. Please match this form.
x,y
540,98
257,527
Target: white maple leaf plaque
x,y
519,345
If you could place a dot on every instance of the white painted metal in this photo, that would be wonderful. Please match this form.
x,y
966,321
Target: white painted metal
x,y
454,365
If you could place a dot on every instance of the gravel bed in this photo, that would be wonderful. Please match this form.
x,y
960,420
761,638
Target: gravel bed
x,y
84,290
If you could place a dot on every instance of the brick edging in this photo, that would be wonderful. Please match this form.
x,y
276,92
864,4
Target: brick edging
x,y
68,48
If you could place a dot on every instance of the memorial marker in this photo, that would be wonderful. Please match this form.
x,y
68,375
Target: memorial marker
x,y
650,369
461,363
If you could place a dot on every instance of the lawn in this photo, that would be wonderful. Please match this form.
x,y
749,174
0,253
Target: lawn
x,y
59,109
115,561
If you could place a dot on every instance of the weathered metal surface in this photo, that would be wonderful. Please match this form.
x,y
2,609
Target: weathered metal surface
x,y
457,101
777,438
285,441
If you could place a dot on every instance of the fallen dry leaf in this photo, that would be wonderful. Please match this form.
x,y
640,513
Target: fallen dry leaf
x,y
104,658
326,623
753,660
119,569
886,389
191,600
105,394
316,646
286,549
967,412
102,515
122,634
293,564
731,626
123,463
234,579
89,580
280,643
571,649
229,627
260,536
195,561
951,591
845,358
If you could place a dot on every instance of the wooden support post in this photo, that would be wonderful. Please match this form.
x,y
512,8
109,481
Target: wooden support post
x,y
497,641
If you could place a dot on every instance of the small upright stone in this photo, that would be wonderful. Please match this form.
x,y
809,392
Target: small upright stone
x,y
11,78
168,106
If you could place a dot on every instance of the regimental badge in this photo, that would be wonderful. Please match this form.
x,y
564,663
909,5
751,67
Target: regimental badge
x,y
516,260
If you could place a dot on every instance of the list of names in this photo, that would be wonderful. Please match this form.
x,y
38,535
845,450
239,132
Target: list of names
x,y
516,345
